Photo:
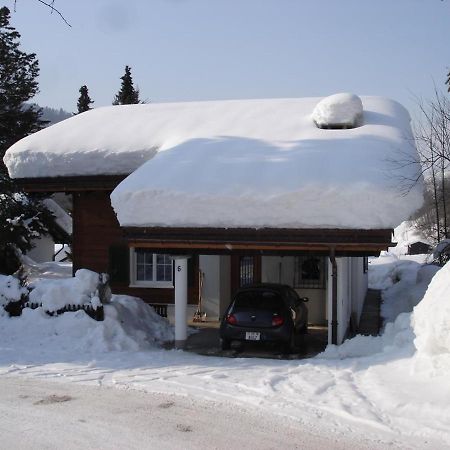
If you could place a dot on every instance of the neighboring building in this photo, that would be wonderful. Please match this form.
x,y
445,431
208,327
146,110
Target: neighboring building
x,y
410,241
419,248
284,190
44,248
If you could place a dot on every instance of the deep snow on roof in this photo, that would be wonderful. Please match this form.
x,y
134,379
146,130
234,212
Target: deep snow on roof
x,y
234,163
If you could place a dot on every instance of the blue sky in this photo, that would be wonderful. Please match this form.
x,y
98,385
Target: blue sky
x,y
221,49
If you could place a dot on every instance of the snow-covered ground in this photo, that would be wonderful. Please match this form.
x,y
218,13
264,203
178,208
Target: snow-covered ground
x,y
97,417
390,390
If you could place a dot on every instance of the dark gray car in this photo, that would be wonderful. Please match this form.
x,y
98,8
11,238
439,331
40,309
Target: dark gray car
x,y
265,313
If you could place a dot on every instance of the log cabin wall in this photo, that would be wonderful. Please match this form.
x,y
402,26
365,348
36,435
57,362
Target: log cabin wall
x,y
95,231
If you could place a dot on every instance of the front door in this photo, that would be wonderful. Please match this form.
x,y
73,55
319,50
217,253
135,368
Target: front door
x,y
245,270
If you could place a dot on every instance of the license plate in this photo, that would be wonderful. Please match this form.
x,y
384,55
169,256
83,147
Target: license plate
x,y
252,336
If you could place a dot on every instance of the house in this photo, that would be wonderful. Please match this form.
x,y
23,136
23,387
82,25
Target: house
x,y
298,191
410,240
60,235
419,248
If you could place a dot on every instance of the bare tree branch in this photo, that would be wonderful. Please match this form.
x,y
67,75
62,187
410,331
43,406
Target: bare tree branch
x,y
50,5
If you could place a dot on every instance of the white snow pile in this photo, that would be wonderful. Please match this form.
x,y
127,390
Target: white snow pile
x,y
403,282
382,271
55,294
10,290
129,325
234,163
397,337
408,291
431,320
339,110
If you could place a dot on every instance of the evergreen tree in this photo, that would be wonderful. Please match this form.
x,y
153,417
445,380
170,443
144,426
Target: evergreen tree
x,y
84,101
127,94
22,218
447,82
18,84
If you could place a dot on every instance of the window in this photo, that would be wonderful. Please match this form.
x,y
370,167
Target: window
x,y
151,269
309,272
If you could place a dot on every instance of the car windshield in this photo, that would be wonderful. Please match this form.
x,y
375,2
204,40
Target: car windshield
x,y
258,299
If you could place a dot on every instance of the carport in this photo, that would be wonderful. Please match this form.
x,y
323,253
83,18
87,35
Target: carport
x,y
340,248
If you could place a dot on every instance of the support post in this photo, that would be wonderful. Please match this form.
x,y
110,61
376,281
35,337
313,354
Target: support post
x,y
334,280
181,295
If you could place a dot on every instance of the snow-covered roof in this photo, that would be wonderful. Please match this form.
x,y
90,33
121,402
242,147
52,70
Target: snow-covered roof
x,y
233,163
63,220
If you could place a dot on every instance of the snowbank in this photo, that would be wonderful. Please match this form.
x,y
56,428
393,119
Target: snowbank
x,y
129,324
338,110
397,337
411,282
405,283
431,319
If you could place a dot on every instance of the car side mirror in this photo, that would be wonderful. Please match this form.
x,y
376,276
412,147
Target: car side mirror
x,y
305,299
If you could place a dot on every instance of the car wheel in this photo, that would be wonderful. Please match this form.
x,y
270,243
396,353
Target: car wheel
x,y
225,344
290,346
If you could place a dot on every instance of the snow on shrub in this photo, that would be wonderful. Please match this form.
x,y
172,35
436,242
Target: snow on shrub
x,y
56,294
10,290
338,110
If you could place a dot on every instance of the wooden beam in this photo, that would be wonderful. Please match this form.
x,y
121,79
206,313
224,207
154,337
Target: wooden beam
x,y
70,184
260,235
260,241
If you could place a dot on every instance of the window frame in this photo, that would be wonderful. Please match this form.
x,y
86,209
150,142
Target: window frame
x,y
134,282
299,283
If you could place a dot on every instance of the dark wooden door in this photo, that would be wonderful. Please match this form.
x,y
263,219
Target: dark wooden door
x,y
245,270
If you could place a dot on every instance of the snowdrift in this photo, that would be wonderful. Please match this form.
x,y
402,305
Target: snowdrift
x,y
129,325
431,318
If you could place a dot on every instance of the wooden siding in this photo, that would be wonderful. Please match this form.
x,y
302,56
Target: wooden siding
x,y
95,231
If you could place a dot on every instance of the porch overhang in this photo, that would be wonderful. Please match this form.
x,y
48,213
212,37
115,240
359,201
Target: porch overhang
x,y
266,241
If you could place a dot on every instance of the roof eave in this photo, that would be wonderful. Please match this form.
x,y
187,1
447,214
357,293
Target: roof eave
x,y
73,183
276,241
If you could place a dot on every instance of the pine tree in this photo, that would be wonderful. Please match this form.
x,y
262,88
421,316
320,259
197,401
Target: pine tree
x,y
84,101
18,84
22,218
447,82
127,94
